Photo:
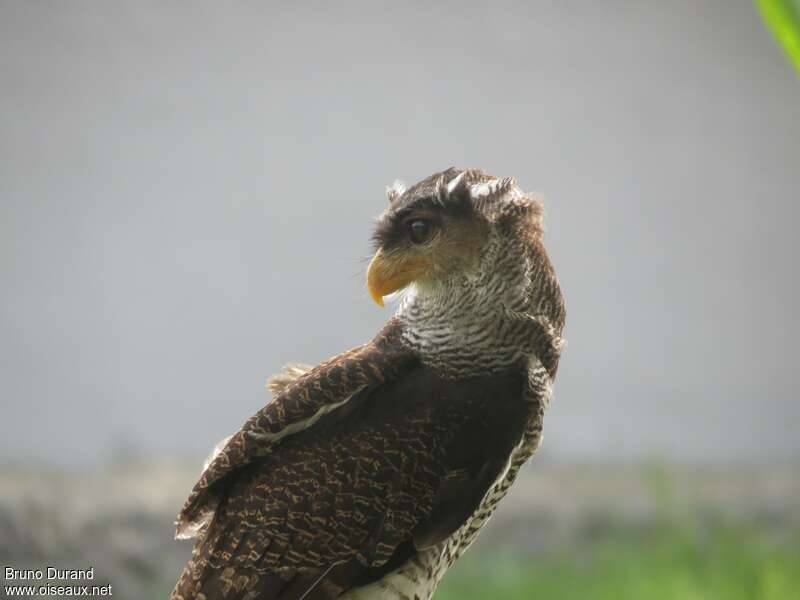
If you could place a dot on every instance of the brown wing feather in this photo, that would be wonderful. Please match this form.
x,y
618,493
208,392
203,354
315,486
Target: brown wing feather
x,y
288,375
338,504
301,403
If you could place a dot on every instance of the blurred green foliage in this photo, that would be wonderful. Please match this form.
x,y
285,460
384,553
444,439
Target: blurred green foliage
x,y
671,562
782,17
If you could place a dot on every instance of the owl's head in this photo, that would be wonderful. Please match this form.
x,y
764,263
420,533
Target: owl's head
x,y
443,230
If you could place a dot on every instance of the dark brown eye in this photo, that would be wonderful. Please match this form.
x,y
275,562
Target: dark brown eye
x,y
419,230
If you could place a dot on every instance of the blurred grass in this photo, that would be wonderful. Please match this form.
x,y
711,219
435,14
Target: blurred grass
x,y
650,532
672,561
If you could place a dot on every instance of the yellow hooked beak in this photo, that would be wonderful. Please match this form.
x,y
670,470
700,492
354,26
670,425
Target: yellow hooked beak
x,y
388,273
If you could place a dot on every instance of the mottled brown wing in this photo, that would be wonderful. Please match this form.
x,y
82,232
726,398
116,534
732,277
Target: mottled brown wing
x,y
302,403
340,504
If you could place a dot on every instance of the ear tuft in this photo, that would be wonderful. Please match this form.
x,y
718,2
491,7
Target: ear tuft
x,y
394,191
458,185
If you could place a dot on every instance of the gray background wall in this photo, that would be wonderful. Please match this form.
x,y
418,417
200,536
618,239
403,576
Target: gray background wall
x,y
186,196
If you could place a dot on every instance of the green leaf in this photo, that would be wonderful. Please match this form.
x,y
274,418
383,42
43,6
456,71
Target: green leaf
x,y
782,17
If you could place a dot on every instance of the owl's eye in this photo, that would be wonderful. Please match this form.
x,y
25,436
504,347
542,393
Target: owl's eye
x,y
420,230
